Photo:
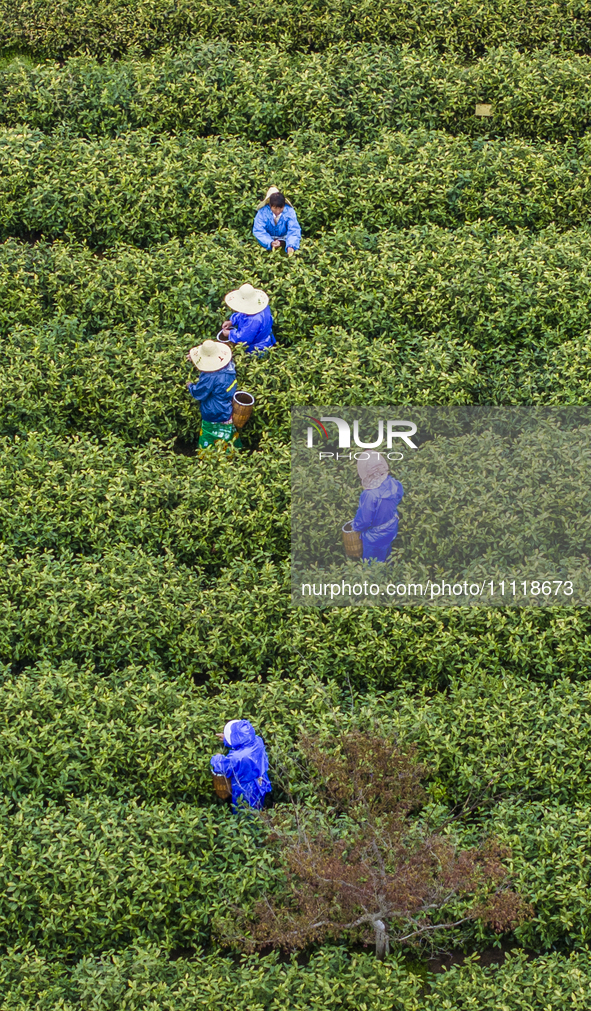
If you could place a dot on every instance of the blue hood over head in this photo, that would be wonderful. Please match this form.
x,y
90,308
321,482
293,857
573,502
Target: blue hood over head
x,y
241,733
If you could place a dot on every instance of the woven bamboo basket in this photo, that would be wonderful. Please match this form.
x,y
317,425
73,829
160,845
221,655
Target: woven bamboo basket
x,y
352,542
222,786
242,405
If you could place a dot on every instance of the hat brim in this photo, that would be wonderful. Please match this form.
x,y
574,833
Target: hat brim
x,y
211,363
249,306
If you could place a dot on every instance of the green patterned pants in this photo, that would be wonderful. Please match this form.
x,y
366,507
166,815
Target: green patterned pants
x,y
212,431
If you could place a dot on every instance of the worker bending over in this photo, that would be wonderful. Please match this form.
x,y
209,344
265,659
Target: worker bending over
x,y
215,389
276,223
252,323
377,518
245,765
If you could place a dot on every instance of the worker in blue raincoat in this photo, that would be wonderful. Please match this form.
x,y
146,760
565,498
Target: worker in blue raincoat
x,y
377,518
246,764
214,392
276,223
252,323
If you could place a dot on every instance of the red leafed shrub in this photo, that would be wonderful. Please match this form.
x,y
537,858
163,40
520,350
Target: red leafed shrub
x,y
381,877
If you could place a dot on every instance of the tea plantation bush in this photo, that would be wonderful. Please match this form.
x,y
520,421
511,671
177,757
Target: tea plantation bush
x,y
135,733
83,495
55,381
75,875
52,27
141,189
549,845
478,284
482,318
138,733
77,878
265,93
128,606
138,977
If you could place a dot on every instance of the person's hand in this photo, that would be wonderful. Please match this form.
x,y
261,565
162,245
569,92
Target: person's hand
x,y
221,736
275,244
290,250
227,326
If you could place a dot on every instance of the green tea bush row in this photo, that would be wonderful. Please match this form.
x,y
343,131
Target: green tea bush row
x,y
130,383
495,289
128,607
110,357
138,733
266,92
496,736
98,871
144,190
124,604
79,878
82,495
54,380
549,844
142,976
52,27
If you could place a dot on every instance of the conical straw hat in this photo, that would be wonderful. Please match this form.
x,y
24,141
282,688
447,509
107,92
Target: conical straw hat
x,y
269,194
211,356
247,299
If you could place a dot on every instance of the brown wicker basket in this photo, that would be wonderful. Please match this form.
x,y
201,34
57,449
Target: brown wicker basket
x,y
242,405
352,542
222,786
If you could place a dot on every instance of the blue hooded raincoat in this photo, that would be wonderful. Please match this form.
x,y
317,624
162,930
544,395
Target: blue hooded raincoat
x,y
247,764
214,391
255,331
287,227
377,519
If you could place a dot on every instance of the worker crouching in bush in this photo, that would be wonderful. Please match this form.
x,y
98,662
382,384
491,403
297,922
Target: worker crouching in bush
x,y
246,764
377,518
252,323
214,391
276,224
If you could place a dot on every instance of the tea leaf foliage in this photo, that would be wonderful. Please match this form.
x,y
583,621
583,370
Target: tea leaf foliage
x,y
142,189
112,28
268,92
